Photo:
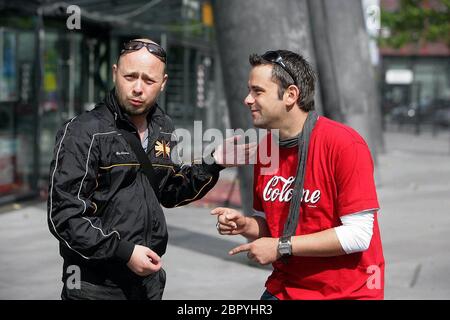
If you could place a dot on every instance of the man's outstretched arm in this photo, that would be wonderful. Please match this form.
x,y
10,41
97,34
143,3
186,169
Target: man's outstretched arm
x,y
233,222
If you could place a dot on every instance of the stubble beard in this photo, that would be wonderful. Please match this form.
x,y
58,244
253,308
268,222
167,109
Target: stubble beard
x,y
260,122
131,110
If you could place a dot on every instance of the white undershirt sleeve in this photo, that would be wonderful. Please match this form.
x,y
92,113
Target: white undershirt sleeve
x,y
356,231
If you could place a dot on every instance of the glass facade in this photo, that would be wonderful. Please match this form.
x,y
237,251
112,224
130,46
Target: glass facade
x,y
426,93
191,82
17,121
74,75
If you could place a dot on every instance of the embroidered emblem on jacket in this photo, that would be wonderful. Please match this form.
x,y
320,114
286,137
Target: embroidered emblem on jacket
x,y
162,148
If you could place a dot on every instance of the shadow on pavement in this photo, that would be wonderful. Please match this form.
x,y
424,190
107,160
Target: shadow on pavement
x,y
209,245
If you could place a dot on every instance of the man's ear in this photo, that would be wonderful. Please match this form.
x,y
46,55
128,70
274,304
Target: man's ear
x,y
114,72
163,85
291,95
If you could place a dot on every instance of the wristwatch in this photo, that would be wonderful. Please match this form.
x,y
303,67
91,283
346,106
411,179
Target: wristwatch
x,y
285,246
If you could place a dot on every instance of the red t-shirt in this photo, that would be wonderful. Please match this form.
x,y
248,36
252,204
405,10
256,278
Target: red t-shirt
x,y
338,181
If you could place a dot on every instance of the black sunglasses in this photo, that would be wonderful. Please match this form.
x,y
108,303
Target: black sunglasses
x,y
153,48
275,57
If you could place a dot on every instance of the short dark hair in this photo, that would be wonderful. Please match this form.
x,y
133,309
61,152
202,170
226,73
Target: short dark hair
x,y
299,68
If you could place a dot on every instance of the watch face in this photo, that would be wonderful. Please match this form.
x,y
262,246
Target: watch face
x,y
284,247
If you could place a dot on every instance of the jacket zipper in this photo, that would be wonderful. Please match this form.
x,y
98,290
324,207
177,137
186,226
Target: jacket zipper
x,y
153,138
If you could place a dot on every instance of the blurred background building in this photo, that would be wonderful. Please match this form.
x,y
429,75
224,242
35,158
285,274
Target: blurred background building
x,y
49,73
415,82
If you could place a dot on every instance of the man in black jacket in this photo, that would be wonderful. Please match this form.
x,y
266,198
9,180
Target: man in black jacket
x,y
102,207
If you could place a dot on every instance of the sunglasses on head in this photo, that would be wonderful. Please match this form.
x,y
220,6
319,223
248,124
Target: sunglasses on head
x,y
153,48
275,57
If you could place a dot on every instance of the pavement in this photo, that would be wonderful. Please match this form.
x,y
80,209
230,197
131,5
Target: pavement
x,y
413,185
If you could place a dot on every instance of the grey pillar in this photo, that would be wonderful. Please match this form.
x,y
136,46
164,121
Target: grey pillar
x,y
325,61
354,75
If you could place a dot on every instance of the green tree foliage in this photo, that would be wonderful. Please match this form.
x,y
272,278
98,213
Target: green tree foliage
x,y
414,22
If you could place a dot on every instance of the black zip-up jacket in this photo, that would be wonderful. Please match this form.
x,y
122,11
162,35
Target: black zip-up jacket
x,y
100,203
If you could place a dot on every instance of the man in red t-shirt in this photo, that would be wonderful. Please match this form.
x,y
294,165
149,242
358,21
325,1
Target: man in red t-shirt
x,y
336,252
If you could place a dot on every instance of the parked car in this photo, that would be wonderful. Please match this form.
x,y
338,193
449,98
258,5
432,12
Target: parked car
x,y
441,116
404,114
436,112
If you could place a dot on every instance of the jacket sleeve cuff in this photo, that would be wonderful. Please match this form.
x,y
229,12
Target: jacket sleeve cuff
x,y
210,165
124,250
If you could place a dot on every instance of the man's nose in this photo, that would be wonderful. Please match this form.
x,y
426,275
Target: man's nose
x,y
249,100
137,88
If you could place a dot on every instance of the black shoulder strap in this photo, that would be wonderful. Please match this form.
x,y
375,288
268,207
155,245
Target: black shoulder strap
x,y
143,158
